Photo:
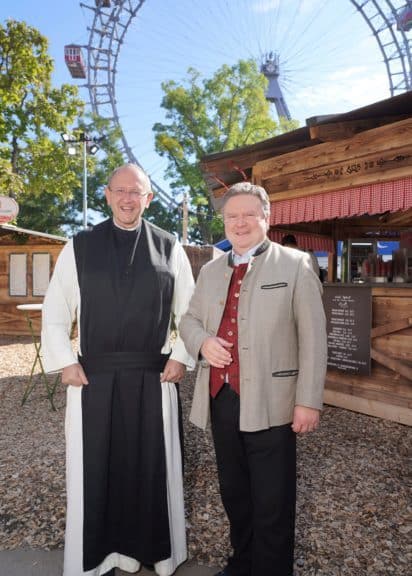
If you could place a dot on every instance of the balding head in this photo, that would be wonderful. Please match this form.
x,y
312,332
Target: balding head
x,y
136,169
128,194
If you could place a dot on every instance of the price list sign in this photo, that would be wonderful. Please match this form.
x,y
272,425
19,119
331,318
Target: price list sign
x,y
349,320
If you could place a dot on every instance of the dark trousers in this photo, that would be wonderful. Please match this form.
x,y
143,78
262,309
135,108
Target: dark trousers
x,y
257,477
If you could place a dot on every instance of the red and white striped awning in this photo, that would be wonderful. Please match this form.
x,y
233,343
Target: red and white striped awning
x,y
368,199
305,241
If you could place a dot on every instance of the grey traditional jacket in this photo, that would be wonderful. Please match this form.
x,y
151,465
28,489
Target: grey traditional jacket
x,y
281,338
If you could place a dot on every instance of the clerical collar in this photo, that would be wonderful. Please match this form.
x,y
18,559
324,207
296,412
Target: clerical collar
x,y
137,231
139,225
236,259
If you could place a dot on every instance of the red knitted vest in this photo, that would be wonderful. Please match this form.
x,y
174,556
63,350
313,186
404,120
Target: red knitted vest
x,y
228,330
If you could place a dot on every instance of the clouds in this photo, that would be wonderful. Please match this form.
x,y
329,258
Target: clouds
x,y
339,92
266,6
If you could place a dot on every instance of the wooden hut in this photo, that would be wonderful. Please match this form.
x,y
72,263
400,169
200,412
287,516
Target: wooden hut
x,y
27,259
339,178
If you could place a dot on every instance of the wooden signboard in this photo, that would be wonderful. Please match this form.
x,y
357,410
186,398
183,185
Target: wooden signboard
x,y
349,320
379,155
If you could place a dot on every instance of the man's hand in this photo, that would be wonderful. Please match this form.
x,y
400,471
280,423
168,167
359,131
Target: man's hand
x,y
305,419
216,351
74,375
173,371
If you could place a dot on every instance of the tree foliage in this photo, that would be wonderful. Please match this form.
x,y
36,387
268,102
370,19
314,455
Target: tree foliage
x,y
109,158
204,116
33,167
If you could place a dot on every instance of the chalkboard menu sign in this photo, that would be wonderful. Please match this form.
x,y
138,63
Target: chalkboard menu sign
x,y
349,320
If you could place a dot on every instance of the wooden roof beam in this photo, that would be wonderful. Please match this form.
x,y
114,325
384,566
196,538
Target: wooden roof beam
x,y
347,129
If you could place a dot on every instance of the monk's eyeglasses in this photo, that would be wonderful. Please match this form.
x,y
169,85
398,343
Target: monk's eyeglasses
x,y
133,192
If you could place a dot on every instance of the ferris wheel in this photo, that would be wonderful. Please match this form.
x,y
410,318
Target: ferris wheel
x,y
389,22
207,33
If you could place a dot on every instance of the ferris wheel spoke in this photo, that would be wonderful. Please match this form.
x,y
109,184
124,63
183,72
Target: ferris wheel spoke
x,y
107,32
179,36
380,17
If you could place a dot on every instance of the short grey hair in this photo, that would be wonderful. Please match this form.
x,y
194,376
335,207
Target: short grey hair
x,y
247,189
143,176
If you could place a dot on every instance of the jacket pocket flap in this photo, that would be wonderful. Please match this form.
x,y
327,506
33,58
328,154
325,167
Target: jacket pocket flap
x,y
275,285
285,373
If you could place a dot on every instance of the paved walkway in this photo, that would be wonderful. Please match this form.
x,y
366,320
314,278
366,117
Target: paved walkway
x,y
43,563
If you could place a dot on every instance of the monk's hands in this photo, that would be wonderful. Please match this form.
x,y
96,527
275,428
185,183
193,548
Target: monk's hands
x,y
305,419
216,351
173,371
74,375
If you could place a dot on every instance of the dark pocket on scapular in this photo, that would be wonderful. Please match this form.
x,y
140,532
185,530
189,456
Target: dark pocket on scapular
x,y
276,285
285,373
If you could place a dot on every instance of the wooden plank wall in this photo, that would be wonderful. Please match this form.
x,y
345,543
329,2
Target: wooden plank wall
x,y
13,321
386,393
200,255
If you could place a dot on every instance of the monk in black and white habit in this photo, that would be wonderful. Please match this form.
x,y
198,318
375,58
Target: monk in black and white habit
x,y
127,283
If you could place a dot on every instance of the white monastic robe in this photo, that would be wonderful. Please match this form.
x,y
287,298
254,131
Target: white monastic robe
x,y
123,453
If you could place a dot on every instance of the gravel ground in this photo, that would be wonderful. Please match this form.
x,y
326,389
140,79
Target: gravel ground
x,y
354,497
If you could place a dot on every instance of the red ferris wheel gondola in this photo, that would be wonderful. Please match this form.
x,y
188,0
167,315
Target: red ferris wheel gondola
x,y
74,60
404,19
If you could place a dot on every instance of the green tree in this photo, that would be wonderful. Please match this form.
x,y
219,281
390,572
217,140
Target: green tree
x,y
204,116
99,167
110,159
34,167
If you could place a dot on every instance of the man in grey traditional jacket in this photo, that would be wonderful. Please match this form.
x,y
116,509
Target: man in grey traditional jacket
x,y
125,281
257,324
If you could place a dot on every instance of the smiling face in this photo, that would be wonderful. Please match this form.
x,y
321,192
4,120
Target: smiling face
x,y
245,222
128,195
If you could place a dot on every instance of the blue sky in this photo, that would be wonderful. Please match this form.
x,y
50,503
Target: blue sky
x,y
330,61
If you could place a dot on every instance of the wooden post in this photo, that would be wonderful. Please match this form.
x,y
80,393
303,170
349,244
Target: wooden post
x,y
185,215
332,266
